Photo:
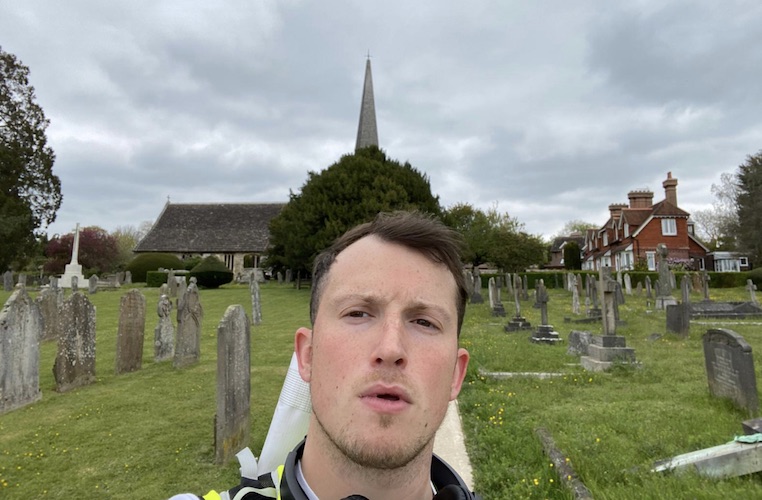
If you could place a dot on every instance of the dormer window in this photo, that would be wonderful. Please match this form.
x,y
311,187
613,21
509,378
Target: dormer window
x,y
626,230
668,227
605,239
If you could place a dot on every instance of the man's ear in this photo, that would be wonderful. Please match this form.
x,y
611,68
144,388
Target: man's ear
x,y
459,373
303,350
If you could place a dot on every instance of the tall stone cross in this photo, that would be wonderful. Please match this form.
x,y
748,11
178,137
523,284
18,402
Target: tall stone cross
x,y
542,302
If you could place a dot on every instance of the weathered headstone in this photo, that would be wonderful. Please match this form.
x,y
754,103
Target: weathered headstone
x,y
75,361
627,284
256,301
164,333
476,297
509,284
575,295
679,315
49,301
752,289
525,288
730,369
696,281
74,284
180,288
289,276
127,278
280,277
469,282
20,331
92,284
578,343
705,284
664,292
190,315
619,277
649,288
164,290
639,289
495,304
22,280
129,338
518,322
8,281
231,430
172,284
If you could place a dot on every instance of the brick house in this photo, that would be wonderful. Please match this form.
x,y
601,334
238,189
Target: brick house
x,y
634,229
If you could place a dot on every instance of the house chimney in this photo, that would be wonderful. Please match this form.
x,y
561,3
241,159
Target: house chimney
x,y
615,209
670,189
641,199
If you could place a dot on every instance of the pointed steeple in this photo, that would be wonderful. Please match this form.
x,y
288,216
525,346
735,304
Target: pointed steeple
x,y
367,134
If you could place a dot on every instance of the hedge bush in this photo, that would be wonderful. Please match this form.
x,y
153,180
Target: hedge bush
x,y
211,273
145,262
154,279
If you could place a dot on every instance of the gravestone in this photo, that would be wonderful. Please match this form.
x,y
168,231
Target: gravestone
x,y
496,305
509,284
22,280
730,369
256,302
92,284
544,332
619,277
180,289
127,278
259,274
579,343
525,288
49,301
74,284
639,289
280,277
164,333
231,429
131,332
518,322
476,297
627,284
575,295
604,350
172,284
164,290
190,315
696,281
679,315
752,289
649,288
75,360
705,285
289,276
664,292
8,281
20,332
469,278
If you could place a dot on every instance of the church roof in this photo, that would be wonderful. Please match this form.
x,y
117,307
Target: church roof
x,y
367,133
211,228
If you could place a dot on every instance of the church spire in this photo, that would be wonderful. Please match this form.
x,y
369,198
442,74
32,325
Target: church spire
x,y
367,134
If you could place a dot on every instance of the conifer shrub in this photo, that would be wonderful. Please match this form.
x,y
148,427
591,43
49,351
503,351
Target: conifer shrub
x,y
145,262
211,273
755,275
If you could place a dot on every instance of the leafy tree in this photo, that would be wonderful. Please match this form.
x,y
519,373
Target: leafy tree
x,y
127,237
30,194
717,226
749,202
98,251
495,238
572,256
576,226
351,191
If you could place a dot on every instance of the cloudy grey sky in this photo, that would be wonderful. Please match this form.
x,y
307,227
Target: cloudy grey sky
x,y
549,110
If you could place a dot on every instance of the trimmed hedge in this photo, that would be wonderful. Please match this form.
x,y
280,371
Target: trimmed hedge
x,y
211,273
145,262
154,279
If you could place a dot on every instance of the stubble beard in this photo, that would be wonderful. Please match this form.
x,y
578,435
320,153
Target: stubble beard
x,y
367,455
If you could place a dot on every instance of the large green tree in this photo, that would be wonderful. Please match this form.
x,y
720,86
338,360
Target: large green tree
x,y
496,238
749,206
351,191
30,194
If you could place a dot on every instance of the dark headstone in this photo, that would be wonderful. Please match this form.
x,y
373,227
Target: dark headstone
x,y
129,338
679,319
578,343
75,361
730,369
231,432
476,297
8,281
189,318
49,301
20,332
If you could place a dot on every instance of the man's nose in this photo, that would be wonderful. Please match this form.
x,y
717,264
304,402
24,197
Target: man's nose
x,y
391,349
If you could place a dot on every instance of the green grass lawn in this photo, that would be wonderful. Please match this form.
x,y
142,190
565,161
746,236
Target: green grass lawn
x,y
149,434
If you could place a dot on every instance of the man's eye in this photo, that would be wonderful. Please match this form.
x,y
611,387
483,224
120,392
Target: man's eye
x,y
357,314
424,322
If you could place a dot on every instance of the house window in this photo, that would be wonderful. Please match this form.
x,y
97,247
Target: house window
x,y
668,227
701,264
727,265
651,259
744,261
605,239
626,230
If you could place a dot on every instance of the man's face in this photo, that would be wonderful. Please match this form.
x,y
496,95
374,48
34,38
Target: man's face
x,y
383,359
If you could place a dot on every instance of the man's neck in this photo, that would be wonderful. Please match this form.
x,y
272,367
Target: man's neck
x,y
331,475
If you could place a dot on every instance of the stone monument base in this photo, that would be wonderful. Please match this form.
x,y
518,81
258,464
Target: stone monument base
x,y
70,271
545,335
663,302
518,323
604,351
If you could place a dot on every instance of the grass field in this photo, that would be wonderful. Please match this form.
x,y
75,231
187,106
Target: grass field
x,y
149,434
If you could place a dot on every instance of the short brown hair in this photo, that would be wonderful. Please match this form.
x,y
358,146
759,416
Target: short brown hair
x,y
413,230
